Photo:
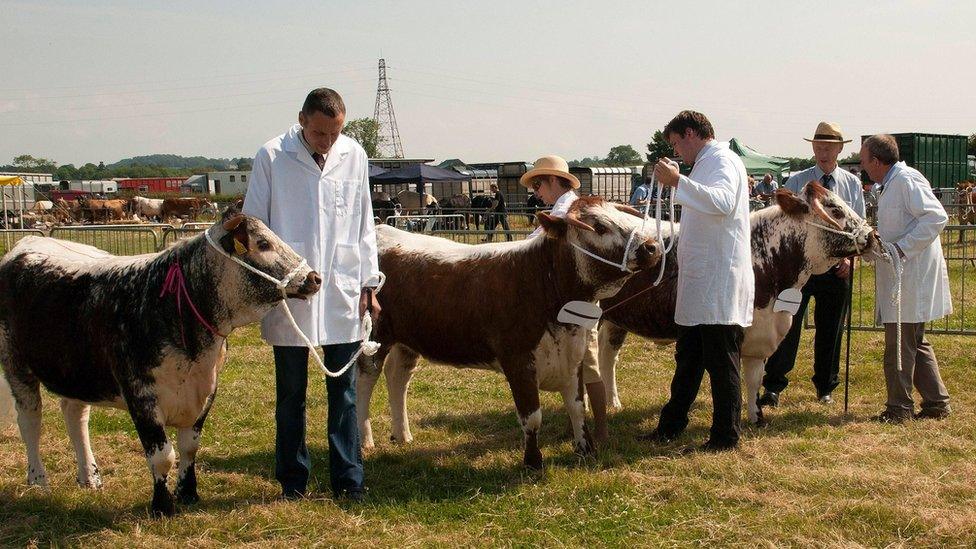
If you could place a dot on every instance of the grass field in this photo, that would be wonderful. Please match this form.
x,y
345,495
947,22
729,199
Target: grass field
x,y
813,477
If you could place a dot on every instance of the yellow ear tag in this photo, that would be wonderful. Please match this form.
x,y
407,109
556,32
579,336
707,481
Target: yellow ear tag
x,y
239,248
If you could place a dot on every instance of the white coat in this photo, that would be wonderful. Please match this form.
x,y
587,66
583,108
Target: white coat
x,y
327,217
910,216
716,284
559,209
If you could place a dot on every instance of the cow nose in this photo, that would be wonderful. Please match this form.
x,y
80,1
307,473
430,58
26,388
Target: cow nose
x,y
648,254
312,284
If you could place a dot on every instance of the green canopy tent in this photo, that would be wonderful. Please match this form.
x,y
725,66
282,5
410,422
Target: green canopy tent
x,y
757,163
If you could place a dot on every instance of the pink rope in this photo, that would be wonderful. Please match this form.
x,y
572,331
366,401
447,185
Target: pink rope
x,y
175,284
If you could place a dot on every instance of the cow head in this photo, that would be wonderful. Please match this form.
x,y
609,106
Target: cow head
x,y
613,232
832,227
250,241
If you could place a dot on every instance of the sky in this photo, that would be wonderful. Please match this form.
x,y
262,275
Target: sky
x,y
485,82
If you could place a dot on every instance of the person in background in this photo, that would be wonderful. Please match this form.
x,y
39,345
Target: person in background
x,y
829,289
310,186
641,194
498,214
911,217
764,189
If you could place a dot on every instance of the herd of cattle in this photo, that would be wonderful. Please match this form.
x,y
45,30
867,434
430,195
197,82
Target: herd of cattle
x,y
112,341
117,210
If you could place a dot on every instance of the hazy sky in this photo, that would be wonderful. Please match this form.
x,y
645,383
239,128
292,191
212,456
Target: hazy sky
x,y
488,81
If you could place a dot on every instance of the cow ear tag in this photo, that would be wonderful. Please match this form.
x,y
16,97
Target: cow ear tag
x,y
239,248
580,313
788,301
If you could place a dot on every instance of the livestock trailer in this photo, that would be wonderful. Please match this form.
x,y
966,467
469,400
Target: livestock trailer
x,y
150,184
614,184
941,158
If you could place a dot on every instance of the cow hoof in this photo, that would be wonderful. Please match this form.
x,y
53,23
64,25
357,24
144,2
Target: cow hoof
x,y
584,447
37,480
760,421
533,459
187,497
406,438
615,405
163,504
93,483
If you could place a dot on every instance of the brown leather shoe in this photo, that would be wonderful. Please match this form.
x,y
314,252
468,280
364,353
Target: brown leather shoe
x,y
932,413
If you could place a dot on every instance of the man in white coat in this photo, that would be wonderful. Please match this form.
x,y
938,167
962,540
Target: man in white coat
x,y
911,217
716,285
310,185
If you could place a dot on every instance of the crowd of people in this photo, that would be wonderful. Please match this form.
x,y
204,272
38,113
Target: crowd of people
x,y
310,186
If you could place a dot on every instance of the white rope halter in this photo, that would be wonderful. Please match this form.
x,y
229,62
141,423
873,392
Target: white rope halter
x,y
367,347
657,219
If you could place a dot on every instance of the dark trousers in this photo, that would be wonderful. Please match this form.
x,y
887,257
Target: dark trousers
x,y
492,221
292,463
714,349
829,315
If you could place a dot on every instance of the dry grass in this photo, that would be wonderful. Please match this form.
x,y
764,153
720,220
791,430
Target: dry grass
x,y
812,478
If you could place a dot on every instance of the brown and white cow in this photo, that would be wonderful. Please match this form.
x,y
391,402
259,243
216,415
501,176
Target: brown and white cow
x,y
494,307
789,243
147,208
186,206
145,333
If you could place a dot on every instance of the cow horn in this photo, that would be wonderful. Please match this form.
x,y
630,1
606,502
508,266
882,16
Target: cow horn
x,y
822,214
628,209
572,219
233,222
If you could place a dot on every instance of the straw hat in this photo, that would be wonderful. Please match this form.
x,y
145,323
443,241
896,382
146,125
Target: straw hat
x,y
827,132
549,165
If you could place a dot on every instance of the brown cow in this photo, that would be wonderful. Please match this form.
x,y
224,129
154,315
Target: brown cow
x,y
102,211
494,306
187,206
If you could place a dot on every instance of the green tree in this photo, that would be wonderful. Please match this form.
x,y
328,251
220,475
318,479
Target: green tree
x,y
659,148
366,132
623,155
853,157
972,144
587,162
28,163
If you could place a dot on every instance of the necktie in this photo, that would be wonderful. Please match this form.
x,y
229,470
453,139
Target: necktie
x,y
828,181
319,159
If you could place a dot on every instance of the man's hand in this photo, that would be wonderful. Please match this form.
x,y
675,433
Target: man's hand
x,y
844,268
367,298
666,173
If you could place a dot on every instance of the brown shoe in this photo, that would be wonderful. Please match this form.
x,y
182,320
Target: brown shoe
x,y
891,418
932,413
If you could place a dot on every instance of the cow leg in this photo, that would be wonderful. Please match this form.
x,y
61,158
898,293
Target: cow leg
x,y
753,368
520,374
76,420
573,400
188,442
159,452
399,369
27,397
369,373
611,340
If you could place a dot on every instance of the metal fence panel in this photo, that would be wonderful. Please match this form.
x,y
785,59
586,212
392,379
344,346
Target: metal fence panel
x,y
172,235
10,237
115,239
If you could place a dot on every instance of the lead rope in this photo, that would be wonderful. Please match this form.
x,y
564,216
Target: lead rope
x,y
366,347
657,219
891,254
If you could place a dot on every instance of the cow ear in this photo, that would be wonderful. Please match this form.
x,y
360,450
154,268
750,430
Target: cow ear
x,y
553,226
236,239
232,211
790,203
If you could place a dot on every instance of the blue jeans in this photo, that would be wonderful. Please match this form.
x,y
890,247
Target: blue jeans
x,y
292,463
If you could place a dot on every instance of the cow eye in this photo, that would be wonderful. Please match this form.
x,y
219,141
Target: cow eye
x,y
264,245
600,228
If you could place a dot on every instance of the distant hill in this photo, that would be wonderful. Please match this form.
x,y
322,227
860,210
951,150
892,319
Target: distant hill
x,y
176,161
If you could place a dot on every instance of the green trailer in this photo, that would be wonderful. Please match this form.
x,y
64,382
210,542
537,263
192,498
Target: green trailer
x,y
941,158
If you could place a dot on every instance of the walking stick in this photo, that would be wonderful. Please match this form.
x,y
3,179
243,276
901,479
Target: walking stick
x,y
850,313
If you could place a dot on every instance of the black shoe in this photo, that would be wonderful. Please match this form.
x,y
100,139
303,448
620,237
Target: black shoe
x,y
769,398
933,413
658,436
292,495
712,447
352,496
891,418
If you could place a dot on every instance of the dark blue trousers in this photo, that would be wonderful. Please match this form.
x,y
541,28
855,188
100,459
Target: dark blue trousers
x,y
292,463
